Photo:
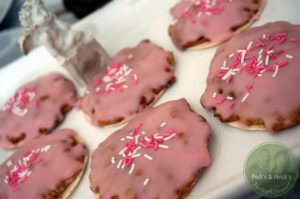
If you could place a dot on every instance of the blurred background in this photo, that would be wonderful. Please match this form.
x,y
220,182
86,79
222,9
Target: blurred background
x,y
10,30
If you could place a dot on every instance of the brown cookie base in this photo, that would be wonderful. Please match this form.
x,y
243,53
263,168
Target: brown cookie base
x,y
203,41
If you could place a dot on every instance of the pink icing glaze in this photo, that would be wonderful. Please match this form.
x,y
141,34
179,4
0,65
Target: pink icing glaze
x,y
35,106
258,72
157,153
194,19
35,169
119,91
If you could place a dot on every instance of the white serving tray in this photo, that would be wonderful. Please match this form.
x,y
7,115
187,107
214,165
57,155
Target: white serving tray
x,y
124,23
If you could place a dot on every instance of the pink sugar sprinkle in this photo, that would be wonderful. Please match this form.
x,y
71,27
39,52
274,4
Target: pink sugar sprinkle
x,y
204,22
220,100
229,79
294,40
283,64
116,65
279,52
189,16
21,171
37,103
97,102
270,47
259,43
134,78
127,160
97,82
232,104
136,129
249,86
240,71
282,40
168,133
3,197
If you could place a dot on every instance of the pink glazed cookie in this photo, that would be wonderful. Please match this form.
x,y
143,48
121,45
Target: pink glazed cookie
x,y
46,167
159,154
133,80
202,24
253,81
36,108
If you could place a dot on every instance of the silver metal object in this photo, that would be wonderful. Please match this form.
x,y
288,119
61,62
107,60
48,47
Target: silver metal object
x,y
78,52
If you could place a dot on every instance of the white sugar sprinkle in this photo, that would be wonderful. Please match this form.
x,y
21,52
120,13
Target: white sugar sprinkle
x,y
243,56
136,150
259,58
129,137
261,51
264,36
135,77
228,74
270,51
136,155
249,45
214,95
289,56
229,97
146,181
46,148
158,137
8,163
259,63
132,168
119,164
144,133
245,97
276,71
170,137
130,56
267,60
231,55
163,146
224,63
113,160
137,139
163,124
122,139
148,157
122,151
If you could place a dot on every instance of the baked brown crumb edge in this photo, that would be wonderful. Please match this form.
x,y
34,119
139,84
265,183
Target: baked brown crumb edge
x,y
18,141
62,187
294,118
204,42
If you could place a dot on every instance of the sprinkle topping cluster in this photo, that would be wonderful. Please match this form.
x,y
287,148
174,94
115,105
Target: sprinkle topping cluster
x,y
115,78
18,104
206,7
137,144
20,172
256,59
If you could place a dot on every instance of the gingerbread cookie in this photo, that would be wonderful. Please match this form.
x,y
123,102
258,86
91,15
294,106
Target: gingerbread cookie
x,y
133,80
35,109
46,167
253,81
202,24
159,154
